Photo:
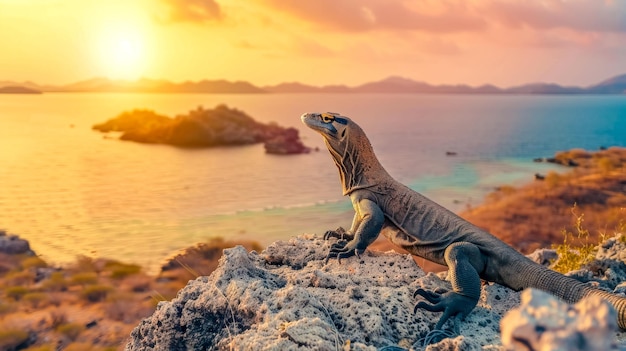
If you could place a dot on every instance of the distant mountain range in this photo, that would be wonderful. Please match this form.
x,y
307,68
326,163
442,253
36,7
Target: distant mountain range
x,y
391,85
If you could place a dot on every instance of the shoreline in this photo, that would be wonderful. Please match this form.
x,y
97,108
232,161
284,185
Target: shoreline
x,y
492,179
266,225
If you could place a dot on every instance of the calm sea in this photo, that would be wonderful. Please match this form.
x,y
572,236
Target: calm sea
x,y
70,191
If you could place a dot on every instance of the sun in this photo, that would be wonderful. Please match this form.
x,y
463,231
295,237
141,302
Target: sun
x,y
121,52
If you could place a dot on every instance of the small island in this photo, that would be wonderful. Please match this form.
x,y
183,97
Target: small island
x,y
18,90
221,126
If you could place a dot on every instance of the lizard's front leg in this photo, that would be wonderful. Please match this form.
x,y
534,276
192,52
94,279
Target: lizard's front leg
x,y
367,223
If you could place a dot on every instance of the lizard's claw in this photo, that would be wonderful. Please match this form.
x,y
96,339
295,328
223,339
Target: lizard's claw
x,y
338,233
452,304
341,250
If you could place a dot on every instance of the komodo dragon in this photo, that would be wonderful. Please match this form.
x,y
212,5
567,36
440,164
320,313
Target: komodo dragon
x,y
426,229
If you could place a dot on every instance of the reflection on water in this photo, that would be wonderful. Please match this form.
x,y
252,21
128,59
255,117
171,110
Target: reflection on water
x,y
70,191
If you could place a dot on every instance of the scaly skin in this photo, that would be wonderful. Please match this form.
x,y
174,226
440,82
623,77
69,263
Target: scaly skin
x,y
426,229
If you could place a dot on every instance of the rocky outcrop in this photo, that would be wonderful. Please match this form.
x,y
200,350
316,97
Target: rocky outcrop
x,y
13,245
285,143
543,322
288,298
221,126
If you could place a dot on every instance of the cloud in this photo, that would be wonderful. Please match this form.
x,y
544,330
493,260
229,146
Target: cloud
x,y
366,15
451,16
441,47
193,10
578,15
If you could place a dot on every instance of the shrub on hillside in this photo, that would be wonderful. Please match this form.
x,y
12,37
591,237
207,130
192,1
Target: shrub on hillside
x,y
16,292
71,331
572,257
57,318
121,270
33,262
96,293
56,282
12,338
84,278
20,278
36,299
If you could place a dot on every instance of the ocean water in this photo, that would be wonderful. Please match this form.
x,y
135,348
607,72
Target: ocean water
x,y
71,191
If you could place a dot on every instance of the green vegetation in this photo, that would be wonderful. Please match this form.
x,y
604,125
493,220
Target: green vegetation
x,y
33,262
121,270
84,278
35,299
56,282
573,257
16,292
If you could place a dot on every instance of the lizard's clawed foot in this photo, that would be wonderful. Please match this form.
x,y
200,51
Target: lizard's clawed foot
x,y
338,233
342,249
452,304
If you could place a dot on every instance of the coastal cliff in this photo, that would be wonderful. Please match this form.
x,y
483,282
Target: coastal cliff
x,y
287,298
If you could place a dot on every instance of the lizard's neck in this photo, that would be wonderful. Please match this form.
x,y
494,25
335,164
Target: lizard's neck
x,y
358,166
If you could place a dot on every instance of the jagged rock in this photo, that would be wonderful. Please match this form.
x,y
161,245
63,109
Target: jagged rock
x,y
543,322
287,298
13,245
543,256
285,143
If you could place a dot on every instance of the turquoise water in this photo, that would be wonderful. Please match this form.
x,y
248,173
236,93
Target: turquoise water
x,y
70,191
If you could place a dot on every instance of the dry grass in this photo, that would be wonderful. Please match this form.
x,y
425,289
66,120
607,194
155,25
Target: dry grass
x,y
535,215
199,260
93,304
573,257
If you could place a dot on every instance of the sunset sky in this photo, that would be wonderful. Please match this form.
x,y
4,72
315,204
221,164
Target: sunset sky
x,y
503,42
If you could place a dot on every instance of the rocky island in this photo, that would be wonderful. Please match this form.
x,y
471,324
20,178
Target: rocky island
x,y
221,126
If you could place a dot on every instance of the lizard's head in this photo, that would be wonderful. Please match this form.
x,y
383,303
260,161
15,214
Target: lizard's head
x,y
334,127
350,149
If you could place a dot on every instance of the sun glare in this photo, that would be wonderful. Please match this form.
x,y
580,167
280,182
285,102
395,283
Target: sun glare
x,y
122,52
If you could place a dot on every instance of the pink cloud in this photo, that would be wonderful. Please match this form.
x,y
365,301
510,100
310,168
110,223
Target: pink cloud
x,y
193,10
365,15
579,15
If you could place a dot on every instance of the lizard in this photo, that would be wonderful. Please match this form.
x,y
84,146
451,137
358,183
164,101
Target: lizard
x,y
424,228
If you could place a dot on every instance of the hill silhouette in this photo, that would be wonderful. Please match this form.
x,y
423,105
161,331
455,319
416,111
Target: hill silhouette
x,y
390,85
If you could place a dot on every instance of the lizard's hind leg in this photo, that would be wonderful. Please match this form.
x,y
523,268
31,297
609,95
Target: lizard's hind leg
x,y
464,262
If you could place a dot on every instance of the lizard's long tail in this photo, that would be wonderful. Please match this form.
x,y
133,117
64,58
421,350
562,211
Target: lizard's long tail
x,y
571,290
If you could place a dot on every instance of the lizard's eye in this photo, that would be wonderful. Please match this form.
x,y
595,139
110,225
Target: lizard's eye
x,y
327,117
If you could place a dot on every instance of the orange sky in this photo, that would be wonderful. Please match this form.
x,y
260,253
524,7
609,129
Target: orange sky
x,y
504,42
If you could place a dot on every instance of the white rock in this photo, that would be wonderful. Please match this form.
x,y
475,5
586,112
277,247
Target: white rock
x,y
287,298
542,323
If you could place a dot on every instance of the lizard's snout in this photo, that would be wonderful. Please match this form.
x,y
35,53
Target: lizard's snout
x,y
310,118
304,117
